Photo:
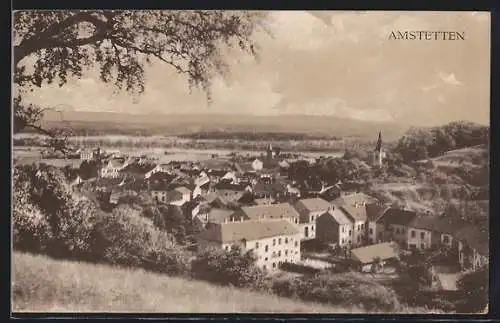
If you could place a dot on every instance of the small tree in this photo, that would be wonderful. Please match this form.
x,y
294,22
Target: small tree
x,y
474,288
232,267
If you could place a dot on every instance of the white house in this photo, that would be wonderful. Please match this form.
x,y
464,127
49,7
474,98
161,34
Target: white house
x,y
257,165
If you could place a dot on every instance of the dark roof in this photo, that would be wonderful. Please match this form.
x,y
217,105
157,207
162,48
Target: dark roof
x,y
229,186
397,216
270,188
424,222
374,211
160,186
356,198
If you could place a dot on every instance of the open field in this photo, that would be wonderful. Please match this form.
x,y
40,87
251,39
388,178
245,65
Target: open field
x,y
43,284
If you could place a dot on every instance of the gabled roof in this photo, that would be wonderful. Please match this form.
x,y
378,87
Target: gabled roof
x,y
313,204
355,213
423,222
219,215
339,216
382,251
268,188
248,230
397,216
273,211
356,198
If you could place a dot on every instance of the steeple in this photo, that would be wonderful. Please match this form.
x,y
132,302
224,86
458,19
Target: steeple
x,y
378,147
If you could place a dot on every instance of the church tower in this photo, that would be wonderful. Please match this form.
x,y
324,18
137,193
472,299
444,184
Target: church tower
x,y
378,153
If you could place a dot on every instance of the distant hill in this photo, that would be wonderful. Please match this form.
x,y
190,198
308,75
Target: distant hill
x,y
122,123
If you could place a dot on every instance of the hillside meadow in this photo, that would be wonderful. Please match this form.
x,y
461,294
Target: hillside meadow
x,y
41,284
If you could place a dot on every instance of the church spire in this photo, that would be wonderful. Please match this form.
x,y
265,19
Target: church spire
x,y
379,142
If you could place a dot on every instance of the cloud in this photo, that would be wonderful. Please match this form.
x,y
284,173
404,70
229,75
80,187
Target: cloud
x,y
449,78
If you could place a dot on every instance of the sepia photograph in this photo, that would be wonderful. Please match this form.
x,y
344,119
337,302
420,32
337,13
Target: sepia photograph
x,y
213,161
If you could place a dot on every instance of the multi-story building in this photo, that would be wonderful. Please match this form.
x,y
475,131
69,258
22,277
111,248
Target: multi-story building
x,y
357,215
272,241
420,233
310,209
334,227
393,225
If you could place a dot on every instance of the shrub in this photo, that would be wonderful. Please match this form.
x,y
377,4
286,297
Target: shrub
x,y
474,289
349,288
232,267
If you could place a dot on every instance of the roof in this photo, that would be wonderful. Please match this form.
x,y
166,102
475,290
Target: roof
x,y
244,167
375,211
219,215
273,211
397,216
116,163
229,186
424,222
160,186
356,213
476,236
369,254
352,199
269,188
339,216
183,190
249,230
313,204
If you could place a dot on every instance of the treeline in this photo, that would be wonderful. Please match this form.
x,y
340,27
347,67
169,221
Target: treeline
x,y
422,143
257,136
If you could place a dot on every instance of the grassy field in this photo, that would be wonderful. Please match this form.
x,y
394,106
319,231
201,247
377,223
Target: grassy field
x,y
45,285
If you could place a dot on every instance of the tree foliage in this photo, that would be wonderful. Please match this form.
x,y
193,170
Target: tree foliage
x,y
474,286
53,46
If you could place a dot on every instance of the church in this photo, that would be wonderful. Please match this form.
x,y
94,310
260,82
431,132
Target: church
x,y
379,154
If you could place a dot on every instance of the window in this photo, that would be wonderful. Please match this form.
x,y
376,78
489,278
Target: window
x,y
422,235
256,245
371,231
265,259
286,252
279,253
296,243
362,226
286,240
358,227
412,233
446,239
312,228
279,241
226,248
422,246
343,229
306,232
266,248
343,240
296,221
274,242
264,267
350,232
274,265
312,218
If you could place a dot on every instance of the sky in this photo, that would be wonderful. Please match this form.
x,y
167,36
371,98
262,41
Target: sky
x,y
325,63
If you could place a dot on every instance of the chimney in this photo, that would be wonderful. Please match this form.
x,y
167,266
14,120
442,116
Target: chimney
x,y
225,220
241,219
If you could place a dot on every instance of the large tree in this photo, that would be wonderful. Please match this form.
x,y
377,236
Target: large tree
x,y
50,46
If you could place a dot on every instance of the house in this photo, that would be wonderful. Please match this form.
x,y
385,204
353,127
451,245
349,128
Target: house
x,y
230,177
257,165
90,154
268,189
208,216
393,225
184,192
161,168
264,201
368,258
112,168
334,227
374,213
231,192
473,246
355,199
136,170
310,209
445,229
420,233
159,192
273,242
274,211
357,215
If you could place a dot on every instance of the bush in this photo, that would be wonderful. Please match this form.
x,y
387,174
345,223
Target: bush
x,y
232,267
474,289
349,288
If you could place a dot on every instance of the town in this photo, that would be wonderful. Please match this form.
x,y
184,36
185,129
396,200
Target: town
x,y
255,203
